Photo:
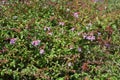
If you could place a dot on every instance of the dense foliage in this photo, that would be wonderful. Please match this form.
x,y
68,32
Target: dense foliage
x,y
60,40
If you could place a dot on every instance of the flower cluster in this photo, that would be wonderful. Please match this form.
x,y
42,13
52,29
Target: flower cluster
x,y
36,43
89,37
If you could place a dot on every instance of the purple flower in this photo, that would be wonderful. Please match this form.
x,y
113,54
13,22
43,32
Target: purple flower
x,y
13,40
61,23
76,15
98,1
99,33
42,51
91,38
35,42
107,45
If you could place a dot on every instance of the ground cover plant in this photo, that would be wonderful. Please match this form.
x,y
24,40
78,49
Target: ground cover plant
x,y
59,40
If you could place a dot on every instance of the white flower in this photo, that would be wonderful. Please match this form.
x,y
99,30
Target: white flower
x,y
42,51
69,64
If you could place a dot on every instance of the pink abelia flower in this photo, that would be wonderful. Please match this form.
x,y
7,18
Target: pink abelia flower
x,y
42,51
61,23
35,42
76,15
91,38
72,29
13,40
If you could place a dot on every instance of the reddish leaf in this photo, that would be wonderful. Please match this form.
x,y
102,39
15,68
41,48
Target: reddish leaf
x,y
85,67
109,29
